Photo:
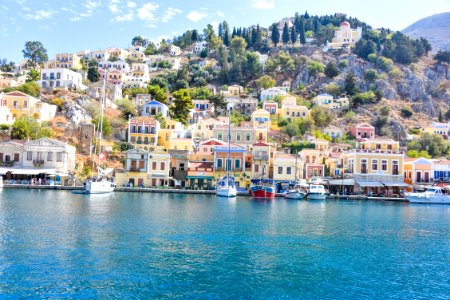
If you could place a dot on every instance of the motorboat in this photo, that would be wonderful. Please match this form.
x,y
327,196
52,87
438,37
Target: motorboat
x,y
298,191
432,195
316,192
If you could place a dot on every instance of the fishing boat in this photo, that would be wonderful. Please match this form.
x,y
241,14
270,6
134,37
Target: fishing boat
x,y
316,192
100,184
297,190
432,195
263,189
226,187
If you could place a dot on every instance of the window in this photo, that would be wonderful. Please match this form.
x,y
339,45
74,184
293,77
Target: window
x,y
238,137
163,165
378,146
389,147
384,165
50,156
256,168
395,167
247,137
154,165
363,166
374,165
59,157
288,171
29,155
219,163
280,170
219,136
237,163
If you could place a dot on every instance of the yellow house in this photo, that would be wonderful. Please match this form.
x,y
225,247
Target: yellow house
x,y
287,167
159,168
233,91
171,135
333,132
290,109
261,117
21,104
439,128
376,163
68,61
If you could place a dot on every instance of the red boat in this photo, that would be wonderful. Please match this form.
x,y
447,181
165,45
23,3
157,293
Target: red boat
x,y
262,191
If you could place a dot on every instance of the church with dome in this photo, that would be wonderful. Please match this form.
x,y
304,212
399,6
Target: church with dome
x,y
344,38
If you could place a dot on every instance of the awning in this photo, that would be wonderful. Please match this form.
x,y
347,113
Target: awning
x,y
370,184
32,171
199,177
396,184
346,181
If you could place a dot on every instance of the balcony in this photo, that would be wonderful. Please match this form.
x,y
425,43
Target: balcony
x,y
136,169
179,174
38,162
261,157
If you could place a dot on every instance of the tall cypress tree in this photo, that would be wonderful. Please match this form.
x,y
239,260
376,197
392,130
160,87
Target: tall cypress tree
x,y
226,38
220,31
293,35
285,37
302,32
275,36
234,32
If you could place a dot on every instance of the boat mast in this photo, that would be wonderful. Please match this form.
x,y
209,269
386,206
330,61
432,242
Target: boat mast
x,y
100,128
296,155
229,147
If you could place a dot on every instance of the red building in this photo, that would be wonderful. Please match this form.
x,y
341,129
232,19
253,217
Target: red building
x,y
363,131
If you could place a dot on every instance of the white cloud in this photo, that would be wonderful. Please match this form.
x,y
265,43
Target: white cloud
x,y
113,8
75,19
131,4
90,4
220,13
169,13
147,11
196,15
263,4
40,15
124,18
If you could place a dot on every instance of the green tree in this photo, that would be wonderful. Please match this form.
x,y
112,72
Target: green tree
x,y
92,73
157,93
440,117
330,70
443,57
239,45
350,83
161,119
29,88
418,154
6,66
106,128
236,118
194,36
301,30
201,93
182,104
226,38
275,36
33,75
35,53
137,41
370,75
127,107
406,112
322,117
285,36
333,89
28,127
314,68
265,82
293,35
434,144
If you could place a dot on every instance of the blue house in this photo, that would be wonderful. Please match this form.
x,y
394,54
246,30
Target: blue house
x,y
152,108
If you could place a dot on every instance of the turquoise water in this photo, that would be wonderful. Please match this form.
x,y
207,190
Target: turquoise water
x,y
55,244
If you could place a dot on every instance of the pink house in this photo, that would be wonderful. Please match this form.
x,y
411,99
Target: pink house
x,y
271,107
363,131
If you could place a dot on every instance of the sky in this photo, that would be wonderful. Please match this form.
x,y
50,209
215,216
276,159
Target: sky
x,y
73,25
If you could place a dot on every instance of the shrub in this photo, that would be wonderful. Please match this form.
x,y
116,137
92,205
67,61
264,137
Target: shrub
x,y
370,75
396,74
58,102
406,112
385,110
343,63
315,67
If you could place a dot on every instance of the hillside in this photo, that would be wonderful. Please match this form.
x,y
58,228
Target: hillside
x,y
435,28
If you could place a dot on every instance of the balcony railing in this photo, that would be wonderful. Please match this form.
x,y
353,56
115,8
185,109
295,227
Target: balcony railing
x,y
179,174
260,157
136,169
38,162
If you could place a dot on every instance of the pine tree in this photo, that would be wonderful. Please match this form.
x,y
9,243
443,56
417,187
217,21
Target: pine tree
x,y
293,35
220,31
306,16
226,38
275,35
234,32
316,25
350,84
285,36
302,32
194,36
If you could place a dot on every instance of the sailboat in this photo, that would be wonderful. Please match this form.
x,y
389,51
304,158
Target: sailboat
x,y
226,186
100,184
297,191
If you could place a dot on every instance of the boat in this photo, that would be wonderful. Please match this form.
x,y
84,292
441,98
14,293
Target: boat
x,y
432,195
316,192
263,190
1,182
297,190
226,186
100,184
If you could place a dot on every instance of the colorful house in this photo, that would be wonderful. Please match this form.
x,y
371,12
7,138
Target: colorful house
x,y
287,167
363,131
312,163
154,107
323,100
135,169
418,171
236,163
333,132
290,109
261,117
21,104
441,170
143,132
271,93
243,135
271,107
68,61
159,168
261,161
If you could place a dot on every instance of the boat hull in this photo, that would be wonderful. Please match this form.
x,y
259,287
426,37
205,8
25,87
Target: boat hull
x,y
262,192
231,192
440,199
99,187
316,196
294,195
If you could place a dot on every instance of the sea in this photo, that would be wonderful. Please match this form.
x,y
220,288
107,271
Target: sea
x,y
57,244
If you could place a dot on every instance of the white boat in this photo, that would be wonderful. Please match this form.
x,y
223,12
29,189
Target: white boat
x,y
226,186
298,191
433,195
1,182
100,184
316,192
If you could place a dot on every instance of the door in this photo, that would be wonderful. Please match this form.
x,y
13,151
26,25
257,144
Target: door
x,y
427,177
16,156
131,181
133,165
141,182
418,177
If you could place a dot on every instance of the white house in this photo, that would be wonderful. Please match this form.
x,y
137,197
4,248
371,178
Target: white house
x,y
174,50
6,117
11,153
199,47
270,93
61,78
344,38
154,107
46,153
